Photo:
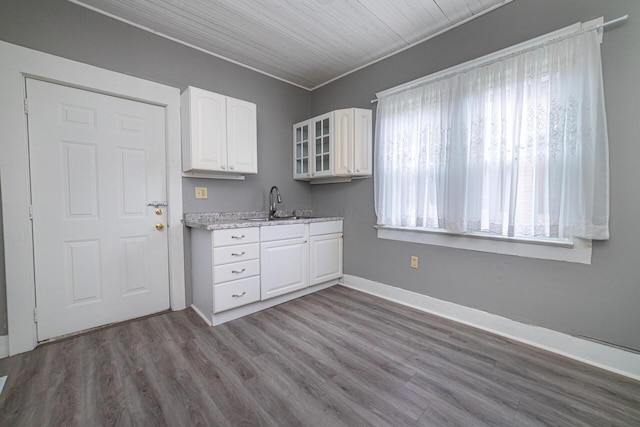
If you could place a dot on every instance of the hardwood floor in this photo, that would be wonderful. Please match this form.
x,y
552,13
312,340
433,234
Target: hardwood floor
x,y
335,358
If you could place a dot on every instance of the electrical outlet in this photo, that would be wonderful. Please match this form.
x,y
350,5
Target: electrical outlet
x,y
414,262
201,192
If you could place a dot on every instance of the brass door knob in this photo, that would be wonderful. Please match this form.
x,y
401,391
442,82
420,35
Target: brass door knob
x,y
159,211
159,226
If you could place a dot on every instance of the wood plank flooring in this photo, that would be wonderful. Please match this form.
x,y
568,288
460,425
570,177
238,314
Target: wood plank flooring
x,y
335,358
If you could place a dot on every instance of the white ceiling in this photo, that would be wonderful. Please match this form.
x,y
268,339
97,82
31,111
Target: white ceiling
x,y
304,42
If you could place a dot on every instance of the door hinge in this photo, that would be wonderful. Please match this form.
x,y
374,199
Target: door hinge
x,y
35,315
26,106
31,212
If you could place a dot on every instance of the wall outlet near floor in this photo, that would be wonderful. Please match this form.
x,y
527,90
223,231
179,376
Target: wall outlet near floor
x,y
201,192
414,262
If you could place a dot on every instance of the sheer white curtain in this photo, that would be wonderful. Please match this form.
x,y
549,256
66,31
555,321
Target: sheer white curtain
x,y
515,147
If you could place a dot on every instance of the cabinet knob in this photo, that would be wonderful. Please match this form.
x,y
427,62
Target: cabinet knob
x,y
223,167
232,167
357,170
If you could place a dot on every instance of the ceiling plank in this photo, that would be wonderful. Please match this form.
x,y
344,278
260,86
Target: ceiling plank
x,y
305,42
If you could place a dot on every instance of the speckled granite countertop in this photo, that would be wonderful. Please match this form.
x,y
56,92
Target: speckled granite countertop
x,y
224,220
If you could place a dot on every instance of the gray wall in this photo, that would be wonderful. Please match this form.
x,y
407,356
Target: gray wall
x,y
601,301
64,29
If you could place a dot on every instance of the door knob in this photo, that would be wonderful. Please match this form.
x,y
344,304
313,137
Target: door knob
x,y
159,211
159,226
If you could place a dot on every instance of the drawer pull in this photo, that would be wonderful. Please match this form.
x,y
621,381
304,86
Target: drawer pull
x,y
237,254
238,271
239,295
238,237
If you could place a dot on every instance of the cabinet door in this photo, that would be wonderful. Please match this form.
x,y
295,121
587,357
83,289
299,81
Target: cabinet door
x,y
343,142
321,145
326,257
301,164
362,144
242,140
283,267
208,125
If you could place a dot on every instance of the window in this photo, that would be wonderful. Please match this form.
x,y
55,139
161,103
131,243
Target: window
x,y
512,146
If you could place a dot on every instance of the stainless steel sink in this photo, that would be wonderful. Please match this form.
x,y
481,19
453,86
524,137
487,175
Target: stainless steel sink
x,y
278,218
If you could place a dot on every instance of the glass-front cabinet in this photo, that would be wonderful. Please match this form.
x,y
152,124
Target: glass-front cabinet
x,y
333,147
322,145
301,164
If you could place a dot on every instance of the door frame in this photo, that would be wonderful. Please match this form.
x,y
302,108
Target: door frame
x,y
16,64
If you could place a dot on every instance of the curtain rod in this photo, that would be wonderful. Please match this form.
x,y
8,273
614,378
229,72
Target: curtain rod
x,y
597,27
613,21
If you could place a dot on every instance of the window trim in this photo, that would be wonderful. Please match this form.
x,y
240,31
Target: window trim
x,y
577,251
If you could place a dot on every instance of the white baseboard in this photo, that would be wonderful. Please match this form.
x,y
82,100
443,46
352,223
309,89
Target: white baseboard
x,y
4,346
197,310
610,358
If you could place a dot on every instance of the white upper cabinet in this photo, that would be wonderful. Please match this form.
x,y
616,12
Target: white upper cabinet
x,y
219,133
362,144
322,146
301,163
333,147
242,145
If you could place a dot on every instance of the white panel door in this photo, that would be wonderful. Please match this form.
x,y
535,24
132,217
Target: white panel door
x,y
242,137
283,267
96,162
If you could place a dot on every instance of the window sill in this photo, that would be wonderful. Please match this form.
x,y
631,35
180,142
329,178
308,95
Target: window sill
x,y
579,251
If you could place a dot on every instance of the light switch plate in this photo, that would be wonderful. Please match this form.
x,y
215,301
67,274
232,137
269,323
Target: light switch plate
x,y
414,262
201,192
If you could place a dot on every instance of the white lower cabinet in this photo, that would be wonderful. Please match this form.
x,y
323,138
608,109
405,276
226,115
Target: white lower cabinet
x,y
326,258
325,251
239,271
235,294
225,269
283,259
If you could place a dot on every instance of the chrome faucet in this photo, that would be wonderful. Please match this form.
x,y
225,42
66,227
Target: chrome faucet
x,y
272,203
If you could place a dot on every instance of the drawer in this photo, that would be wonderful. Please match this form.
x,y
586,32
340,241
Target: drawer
x,y
237,270
235,253
326,227
234,294
281,232
236,236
